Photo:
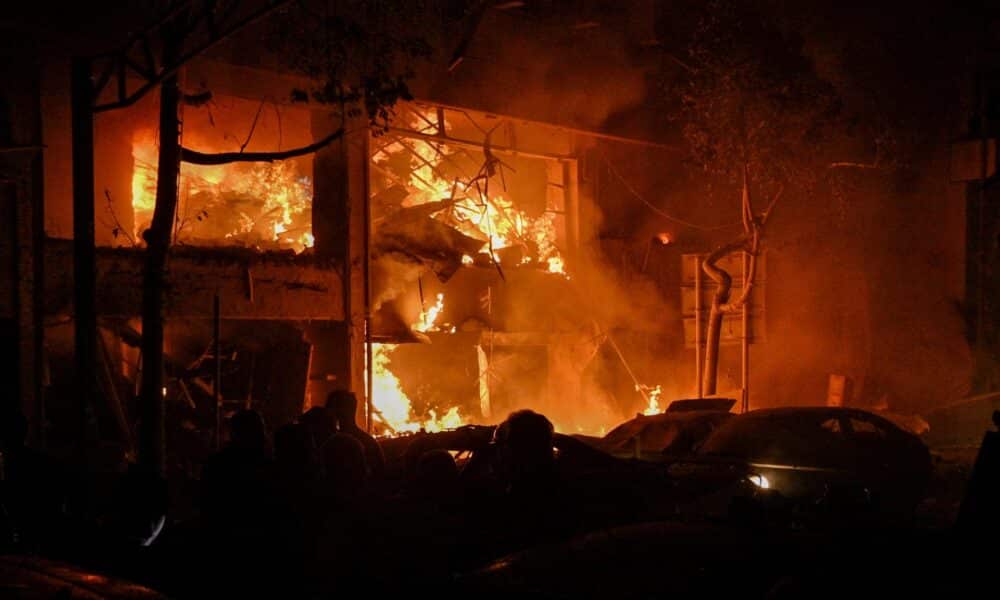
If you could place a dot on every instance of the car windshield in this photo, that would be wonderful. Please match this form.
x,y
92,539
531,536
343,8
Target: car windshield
x,y
797,438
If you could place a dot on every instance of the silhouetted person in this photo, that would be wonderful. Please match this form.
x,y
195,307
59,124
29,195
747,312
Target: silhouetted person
x,y
320,423
341,558
298,477
232,552
436,477
236,480
530,505
295,456
423,526
345,465
344,406
527,459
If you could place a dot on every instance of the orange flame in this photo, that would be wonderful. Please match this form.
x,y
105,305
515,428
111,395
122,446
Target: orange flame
x,y
429,317
254,203
392,406
654,400
492,217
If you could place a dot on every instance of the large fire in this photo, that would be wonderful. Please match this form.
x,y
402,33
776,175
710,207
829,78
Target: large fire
x,y
262,205
476,207
393,409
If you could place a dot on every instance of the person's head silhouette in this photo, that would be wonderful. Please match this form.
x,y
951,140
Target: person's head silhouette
x,y
247,431
525,442
319,423
344,406
436,473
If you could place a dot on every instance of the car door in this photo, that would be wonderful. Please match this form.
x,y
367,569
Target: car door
x,y
872,445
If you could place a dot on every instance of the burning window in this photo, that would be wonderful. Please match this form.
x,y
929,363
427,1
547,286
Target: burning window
x,y
260,205
514,205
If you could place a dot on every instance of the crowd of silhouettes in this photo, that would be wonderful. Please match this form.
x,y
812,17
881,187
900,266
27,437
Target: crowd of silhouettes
x,y
311,506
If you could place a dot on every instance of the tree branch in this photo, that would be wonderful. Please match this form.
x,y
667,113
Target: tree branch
x,y
770,207
253,127
750,244
169,68
200,158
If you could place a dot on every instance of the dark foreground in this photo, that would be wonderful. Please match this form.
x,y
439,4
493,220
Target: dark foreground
x,y
508,511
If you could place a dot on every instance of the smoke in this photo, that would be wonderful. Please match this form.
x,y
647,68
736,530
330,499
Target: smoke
x,y
606,324
554,69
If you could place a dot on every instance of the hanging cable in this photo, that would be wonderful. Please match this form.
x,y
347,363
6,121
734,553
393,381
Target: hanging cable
x,y
656,209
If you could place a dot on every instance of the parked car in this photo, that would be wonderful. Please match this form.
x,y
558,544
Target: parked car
x,y
402,452
675,433
811,456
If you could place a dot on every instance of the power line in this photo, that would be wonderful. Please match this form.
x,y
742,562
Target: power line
x,y
656,209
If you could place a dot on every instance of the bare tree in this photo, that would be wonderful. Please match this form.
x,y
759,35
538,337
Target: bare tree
x,y
754,113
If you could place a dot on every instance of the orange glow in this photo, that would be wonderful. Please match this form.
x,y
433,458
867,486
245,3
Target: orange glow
x,y
264,205
653,394
434,172
393,407
429,317
491,217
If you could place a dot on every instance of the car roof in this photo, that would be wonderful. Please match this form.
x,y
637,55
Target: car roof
x,y
701,404
786,415
812,411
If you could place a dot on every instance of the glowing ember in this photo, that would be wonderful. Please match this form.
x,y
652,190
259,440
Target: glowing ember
x,y
654,400
393,408
254,204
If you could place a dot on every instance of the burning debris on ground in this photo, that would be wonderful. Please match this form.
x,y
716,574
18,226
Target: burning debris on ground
x,y
492,298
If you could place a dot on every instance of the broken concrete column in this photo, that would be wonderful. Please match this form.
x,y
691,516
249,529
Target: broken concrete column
x,y
340,196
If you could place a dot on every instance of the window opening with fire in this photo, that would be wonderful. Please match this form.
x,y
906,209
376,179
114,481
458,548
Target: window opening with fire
x,y
261,205
455,215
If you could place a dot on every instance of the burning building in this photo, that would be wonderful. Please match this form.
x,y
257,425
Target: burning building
x,y
430,268
522,234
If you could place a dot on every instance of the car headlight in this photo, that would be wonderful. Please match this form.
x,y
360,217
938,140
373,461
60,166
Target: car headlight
x,y
759,481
